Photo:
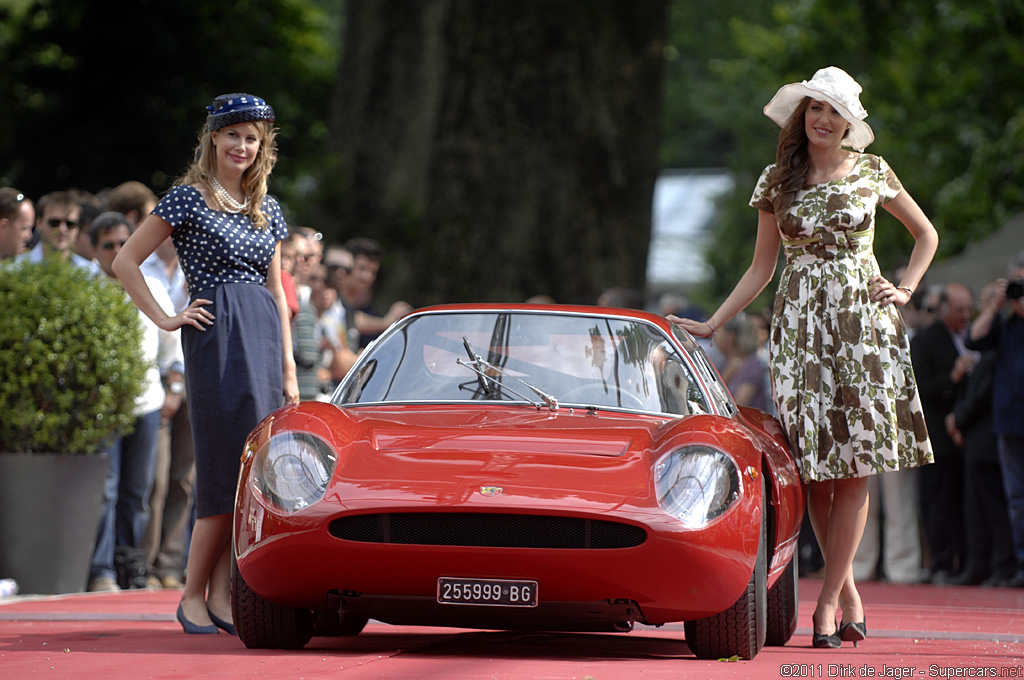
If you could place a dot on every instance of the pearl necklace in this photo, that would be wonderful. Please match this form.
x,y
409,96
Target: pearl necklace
x,y
226,200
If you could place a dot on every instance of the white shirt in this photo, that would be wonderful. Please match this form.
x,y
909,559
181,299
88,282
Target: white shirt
x,y
161,350
175,285
36,255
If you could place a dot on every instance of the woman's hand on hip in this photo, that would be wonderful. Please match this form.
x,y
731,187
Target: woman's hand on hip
x,y
195,315
885,292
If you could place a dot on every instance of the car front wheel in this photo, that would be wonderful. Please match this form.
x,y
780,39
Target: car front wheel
x,y
740,630
262,624
782,607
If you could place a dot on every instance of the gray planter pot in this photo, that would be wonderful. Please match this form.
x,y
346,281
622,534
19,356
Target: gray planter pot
x,y
49,511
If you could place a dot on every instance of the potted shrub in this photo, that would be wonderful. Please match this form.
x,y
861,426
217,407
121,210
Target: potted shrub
x,y
71,370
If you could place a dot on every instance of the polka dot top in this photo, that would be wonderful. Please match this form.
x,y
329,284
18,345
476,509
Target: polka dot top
x,y
216,247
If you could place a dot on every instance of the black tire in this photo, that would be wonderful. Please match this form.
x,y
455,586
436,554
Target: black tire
x,y
740,630
262,624
782,607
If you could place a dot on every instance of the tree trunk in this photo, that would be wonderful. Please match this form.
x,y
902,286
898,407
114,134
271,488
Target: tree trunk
x,y
501,149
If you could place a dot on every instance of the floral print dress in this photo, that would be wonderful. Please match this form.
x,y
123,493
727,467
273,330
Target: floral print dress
x,y
841,374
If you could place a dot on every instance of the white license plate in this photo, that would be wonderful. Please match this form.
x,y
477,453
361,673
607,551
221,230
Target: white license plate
x,y
487,592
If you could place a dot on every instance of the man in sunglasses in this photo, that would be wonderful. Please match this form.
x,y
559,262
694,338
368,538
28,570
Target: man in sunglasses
x,y
17,214
57,215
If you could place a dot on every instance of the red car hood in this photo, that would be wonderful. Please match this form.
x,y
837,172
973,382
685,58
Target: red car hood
x,y
508,433
486,457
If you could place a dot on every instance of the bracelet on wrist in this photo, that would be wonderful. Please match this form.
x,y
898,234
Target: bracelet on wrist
x,y
906,289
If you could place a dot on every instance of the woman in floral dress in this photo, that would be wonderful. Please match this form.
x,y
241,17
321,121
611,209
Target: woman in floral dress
x,y
842,379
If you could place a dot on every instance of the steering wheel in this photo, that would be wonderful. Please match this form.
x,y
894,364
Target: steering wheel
x,y
594,394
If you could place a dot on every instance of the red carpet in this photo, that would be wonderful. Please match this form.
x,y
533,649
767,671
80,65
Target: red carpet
x,y
915,631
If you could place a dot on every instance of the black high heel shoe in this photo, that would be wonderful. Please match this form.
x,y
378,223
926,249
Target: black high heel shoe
x,y
194,628
830,641
854,632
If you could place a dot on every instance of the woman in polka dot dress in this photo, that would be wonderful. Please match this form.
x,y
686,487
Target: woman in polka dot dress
x,y
235,331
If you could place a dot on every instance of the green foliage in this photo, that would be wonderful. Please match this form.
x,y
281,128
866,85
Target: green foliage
x,y
131,81
699,111
70,356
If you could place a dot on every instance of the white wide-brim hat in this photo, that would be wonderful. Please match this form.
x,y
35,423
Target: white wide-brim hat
x,y
837,87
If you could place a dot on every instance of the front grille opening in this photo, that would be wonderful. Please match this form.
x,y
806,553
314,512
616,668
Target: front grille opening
x,y
488,530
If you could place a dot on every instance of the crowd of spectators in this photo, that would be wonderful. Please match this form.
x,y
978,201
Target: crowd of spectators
x,y
957,522
147,513
333,312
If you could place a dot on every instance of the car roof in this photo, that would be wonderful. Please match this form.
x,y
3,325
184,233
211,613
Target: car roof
x,y
589,310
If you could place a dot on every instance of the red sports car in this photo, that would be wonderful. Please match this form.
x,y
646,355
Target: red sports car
x,y
521,467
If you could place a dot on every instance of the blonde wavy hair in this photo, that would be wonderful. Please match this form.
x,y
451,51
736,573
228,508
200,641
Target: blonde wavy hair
x,y
254,179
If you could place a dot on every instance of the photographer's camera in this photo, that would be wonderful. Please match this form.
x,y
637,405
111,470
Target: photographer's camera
x,y
1015,289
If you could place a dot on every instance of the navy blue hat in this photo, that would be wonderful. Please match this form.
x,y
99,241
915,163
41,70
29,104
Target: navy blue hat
x,y
231,109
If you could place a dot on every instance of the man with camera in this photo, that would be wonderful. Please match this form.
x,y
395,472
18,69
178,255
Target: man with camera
x,y
1006,334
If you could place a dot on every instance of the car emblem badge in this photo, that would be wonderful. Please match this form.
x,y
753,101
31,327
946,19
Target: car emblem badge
x,y
490,491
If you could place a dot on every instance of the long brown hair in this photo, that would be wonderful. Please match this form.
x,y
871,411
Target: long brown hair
x,y
792,162
254,179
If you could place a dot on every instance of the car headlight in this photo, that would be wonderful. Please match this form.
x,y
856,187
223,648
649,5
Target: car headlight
x,y
292,470
696,484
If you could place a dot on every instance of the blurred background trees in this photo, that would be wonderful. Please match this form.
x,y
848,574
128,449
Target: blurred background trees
x,y
939,86
506,148
95,93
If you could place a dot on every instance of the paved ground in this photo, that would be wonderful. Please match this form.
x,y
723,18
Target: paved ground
x,y
916,631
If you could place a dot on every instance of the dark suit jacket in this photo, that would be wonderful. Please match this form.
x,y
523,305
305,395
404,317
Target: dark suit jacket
x,y
973,412
933,354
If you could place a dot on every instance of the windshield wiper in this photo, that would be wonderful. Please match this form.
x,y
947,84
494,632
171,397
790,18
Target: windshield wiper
x,y
476,362
481,378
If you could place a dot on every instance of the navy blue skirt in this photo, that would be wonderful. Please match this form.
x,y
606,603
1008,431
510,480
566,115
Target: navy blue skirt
x,y
233,379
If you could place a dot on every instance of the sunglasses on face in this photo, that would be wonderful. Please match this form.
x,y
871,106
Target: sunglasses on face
x,y
109,245
55,223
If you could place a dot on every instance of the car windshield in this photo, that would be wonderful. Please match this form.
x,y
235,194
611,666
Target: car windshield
x,y
576,360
